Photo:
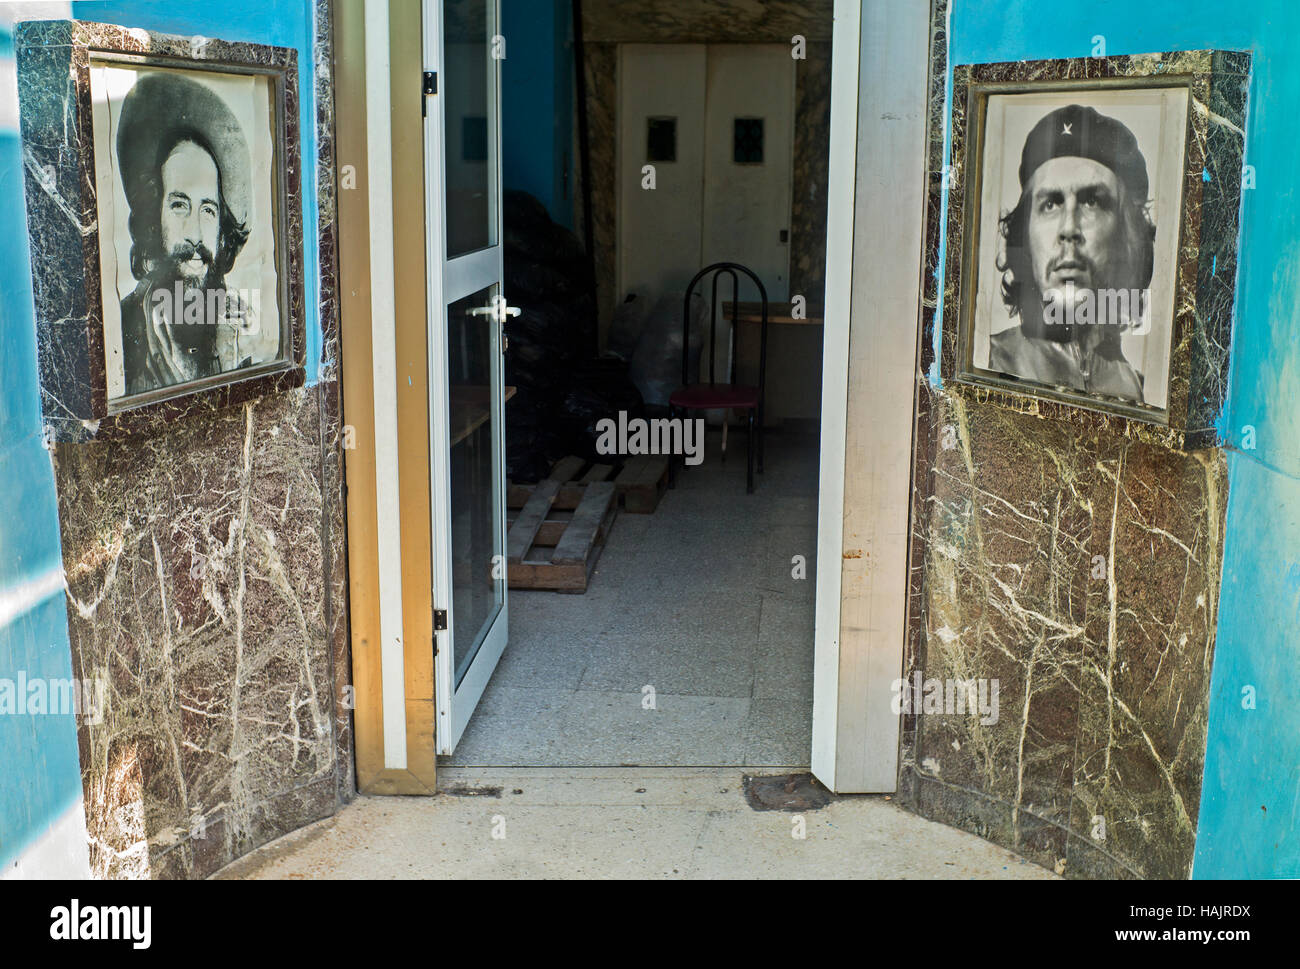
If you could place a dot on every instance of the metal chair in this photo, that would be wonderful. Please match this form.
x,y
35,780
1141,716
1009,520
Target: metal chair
x,y
729,395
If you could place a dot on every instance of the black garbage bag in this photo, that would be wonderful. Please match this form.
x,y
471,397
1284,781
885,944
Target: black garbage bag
x,y
561,393
601,389
531,236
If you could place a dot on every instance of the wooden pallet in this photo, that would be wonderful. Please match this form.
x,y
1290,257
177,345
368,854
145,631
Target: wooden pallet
x,y
640,484
557,531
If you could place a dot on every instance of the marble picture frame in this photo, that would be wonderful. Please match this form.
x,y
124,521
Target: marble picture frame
x,y
80,266
1197,237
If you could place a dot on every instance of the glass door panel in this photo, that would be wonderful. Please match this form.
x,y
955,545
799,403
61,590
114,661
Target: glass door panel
x,y
470,82
478,589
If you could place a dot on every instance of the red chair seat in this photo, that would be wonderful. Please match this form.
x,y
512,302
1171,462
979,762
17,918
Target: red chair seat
x,y
704,397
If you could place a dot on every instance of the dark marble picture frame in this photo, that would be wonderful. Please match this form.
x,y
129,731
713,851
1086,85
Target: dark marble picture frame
x,y
1206,263
55,122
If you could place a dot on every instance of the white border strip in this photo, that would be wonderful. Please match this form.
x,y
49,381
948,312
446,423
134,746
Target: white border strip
x,y
60,852
835,383
20,599
383,348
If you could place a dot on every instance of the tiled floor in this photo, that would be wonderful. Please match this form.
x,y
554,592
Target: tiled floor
x,y
696,603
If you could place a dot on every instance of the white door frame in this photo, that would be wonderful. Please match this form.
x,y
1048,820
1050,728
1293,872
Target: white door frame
x,y
388,527
448,281
879,86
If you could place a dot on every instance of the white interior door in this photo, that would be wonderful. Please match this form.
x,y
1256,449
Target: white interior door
x,y
717,123
748,172
463,50
748,161
661,124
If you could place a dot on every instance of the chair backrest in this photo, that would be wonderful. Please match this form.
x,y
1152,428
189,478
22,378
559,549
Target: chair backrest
x,y
719,269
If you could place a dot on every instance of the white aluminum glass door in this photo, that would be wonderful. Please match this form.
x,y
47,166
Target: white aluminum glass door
x,y
462,131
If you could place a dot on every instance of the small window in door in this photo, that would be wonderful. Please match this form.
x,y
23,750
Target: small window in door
x,y
747,141
661,140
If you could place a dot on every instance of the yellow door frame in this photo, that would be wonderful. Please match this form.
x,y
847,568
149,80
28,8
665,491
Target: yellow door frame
x,y
365,268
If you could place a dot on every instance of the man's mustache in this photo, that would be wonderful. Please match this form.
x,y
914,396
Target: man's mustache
x,y
186,251
1072,261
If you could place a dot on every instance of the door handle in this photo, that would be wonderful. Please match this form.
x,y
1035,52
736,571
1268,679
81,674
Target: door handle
x,y
498,310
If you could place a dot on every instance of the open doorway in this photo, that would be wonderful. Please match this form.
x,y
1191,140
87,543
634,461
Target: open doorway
x,y
649,625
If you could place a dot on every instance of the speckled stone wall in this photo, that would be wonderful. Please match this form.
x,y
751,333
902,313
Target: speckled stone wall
x,y
1079,566
608,23
205,560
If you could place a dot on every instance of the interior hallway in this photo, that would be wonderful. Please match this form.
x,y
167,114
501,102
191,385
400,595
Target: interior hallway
x,y
696,601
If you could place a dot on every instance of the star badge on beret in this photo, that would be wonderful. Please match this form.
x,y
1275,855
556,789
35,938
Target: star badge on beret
x,y
1065,129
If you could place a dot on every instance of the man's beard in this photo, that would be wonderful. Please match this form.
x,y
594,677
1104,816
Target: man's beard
x,y
198,338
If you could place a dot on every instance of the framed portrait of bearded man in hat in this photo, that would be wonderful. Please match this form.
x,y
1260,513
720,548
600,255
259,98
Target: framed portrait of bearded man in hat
x,y
189,275
165,205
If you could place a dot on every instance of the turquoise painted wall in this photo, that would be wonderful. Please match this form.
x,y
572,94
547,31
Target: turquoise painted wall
x,y
537,103
39,776
39,772
1250,802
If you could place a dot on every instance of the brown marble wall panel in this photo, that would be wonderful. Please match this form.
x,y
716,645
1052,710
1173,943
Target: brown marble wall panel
x,y
1079,566
1080,572
812,155
612,22
600,62
196,587
334,517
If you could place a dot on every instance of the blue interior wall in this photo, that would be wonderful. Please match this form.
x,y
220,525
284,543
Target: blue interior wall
x,y
1250,801
39,771
537,102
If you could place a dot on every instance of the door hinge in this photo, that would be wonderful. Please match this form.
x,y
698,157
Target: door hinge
x,y
429,86
439,619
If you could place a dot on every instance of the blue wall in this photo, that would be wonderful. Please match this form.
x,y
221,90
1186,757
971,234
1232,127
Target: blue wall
x,y
537,103
1250,802
39,771
39,776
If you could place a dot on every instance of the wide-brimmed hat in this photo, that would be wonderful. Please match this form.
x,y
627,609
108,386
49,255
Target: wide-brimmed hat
x,y
164,105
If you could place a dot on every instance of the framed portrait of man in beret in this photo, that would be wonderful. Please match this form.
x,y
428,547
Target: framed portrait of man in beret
x,y
186,179
1076,236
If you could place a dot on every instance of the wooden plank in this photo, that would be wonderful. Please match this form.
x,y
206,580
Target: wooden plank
x,y
569,497
575,547
566,469
566,499
601,535
517,495
776,313
520,537
544,575
642,483
548,536
598,472
643,470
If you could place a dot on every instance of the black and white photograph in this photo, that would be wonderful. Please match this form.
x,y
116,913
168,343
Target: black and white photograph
x,y
1077,229
185,172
